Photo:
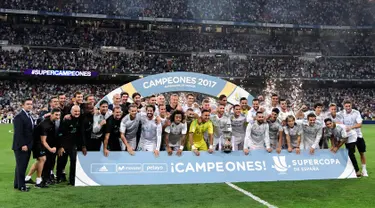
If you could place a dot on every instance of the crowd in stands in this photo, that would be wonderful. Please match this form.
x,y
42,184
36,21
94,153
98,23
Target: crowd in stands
x,y
106,62
338,44
11,94
326,12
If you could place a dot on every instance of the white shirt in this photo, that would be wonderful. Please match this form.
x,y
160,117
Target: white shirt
x,y
257,136
352,118
221,125
250,115
319,118
186,107
283,115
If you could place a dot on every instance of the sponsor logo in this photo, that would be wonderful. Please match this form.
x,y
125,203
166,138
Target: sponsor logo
x,y
280,164
103,169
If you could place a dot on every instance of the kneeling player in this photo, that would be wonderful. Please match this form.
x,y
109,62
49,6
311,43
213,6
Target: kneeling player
x,y
257,135
340,136
176,133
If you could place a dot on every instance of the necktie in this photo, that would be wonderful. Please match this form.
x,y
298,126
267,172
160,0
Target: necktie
x,y
31,119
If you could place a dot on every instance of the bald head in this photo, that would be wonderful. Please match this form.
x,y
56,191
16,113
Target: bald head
x,y
75,111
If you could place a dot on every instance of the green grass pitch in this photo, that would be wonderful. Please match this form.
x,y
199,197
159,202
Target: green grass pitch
x,y
327,193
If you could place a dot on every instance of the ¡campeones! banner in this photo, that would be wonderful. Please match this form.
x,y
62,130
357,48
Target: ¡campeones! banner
x,y
142,169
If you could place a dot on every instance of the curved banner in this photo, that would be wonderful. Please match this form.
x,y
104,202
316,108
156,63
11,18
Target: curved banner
x,y
183,82
143,169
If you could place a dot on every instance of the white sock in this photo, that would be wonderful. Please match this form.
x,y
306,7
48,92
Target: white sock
x,y
51,172
27,178
363,166
38,180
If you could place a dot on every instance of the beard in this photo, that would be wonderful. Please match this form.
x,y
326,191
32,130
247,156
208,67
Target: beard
x,y
150,115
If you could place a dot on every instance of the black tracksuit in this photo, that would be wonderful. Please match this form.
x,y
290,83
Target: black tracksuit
x,y
69,138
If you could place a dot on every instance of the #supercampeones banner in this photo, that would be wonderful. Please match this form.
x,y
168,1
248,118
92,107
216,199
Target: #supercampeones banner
x,y
61,73
119,168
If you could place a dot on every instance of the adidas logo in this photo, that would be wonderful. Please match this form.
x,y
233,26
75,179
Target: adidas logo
x,y
280,164
103,169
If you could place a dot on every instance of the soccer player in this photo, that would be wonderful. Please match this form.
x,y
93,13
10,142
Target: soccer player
x,y
112,132
160,100
176,133
340,136
222,127
163,114
223,100
238,123
244,106
274,104
275,131
293,133
137,100
94,139
197,129
257,135
318,107
152,100
284,112
274,101
352,120
191,104
253,111
332,114
312,133
129,128
205,105
68,140
151,132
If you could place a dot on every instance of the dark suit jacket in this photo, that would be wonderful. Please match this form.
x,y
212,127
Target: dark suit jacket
x,y
23,131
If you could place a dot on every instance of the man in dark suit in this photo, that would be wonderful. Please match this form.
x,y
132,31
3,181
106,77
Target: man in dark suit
x,y
22,142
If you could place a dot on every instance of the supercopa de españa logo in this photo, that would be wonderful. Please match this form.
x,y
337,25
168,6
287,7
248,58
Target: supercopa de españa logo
x,y
280,164
302,165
